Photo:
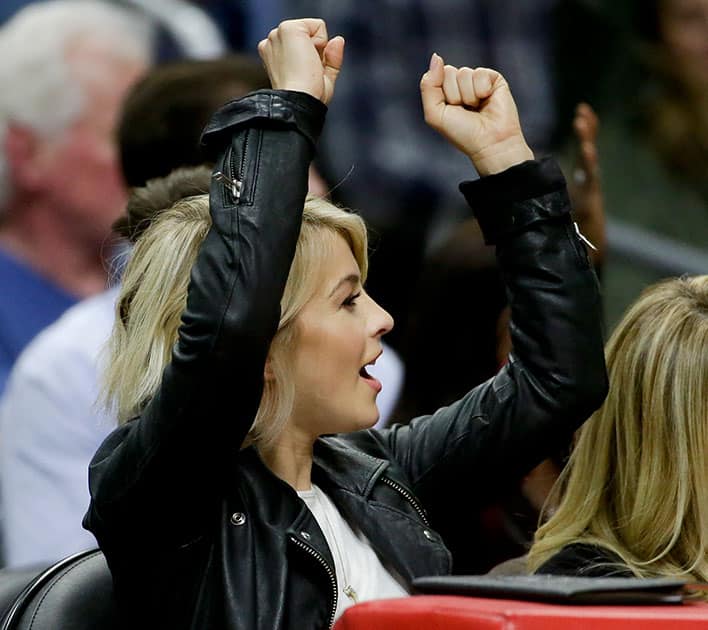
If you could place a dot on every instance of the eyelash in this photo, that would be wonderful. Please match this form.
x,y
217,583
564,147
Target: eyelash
x,y
351,300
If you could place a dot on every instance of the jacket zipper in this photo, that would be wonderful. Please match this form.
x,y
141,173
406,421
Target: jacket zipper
x,y
408,496
238,178
330,575
232,183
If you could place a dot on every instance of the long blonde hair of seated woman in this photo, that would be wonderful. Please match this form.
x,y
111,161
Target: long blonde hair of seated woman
x,y
637,480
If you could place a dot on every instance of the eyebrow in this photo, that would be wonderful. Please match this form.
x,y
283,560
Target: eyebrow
x,y
352,278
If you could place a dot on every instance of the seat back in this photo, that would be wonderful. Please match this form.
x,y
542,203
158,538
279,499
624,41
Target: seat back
x,y
13,582
73,594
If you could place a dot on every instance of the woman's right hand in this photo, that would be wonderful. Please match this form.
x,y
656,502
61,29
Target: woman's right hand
x,y
299,56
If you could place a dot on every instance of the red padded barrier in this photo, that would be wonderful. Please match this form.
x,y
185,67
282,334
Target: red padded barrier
x,y
434,612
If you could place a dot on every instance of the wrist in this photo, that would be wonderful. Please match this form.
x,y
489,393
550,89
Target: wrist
x,y
501,156
295,86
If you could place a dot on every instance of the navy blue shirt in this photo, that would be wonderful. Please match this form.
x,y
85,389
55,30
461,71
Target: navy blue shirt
x,y
28,303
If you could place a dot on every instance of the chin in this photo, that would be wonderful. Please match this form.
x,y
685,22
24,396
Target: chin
x,y
370,421
362,423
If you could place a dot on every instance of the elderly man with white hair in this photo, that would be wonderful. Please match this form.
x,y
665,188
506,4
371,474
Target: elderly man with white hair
x,y
65,66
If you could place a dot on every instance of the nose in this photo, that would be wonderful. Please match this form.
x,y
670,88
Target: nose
x,y
381,320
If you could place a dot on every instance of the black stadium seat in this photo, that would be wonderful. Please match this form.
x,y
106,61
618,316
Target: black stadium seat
x,y
74,594
13,582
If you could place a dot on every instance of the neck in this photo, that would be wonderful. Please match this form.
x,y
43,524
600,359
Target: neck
x,y
34,236
291,459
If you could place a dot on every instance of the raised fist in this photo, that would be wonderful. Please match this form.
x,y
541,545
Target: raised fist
x,y
474,110
299,56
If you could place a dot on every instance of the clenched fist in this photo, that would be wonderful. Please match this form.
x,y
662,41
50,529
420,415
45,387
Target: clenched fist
x,y
474,110
298,55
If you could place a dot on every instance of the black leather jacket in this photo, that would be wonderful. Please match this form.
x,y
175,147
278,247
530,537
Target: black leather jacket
x,y
198,532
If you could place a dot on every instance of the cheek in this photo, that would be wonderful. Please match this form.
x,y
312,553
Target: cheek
x,y
99,154
84,182
94,168
331,356
87,162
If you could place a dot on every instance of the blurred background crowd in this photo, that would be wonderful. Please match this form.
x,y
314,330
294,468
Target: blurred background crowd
x,y
101,96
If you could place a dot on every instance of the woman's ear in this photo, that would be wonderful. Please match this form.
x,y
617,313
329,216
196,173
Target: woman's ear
x,y
268,374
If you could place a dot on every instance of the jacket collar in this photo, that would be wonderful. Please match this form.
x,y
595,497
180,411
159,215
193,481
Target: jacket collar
x,y
336,462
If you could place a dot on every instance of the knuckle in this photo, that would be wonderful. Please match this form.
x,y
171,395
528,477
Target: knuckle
x,y
289,26
284,28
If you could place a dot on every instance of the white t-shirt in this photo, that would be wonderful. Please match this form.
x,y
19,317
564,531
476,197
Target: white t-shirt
x,y
360,574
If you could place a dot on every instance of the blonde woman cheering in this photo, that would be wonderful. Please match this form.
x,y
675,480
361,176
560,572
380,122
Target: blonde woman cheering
x,y
245,488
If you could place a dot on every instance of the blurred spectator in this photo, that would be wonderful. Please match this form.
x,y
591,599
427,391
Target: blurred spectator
x,y
183,29
204,29
65,66
654,139
180,28
382,159
49,422
164,114
9,7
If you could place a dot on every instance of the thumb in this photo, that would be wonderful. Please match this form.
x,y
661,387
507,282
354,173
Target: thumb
x,y
431,90
333,57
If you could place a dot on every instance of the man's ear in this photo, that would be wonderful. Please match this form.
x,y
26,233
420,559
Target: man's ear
x,y
22,150
268,375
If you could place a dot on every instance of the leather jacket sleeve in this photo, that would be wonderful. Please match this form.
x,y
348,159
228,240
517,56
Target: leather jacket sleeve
x,y
556,374
174,454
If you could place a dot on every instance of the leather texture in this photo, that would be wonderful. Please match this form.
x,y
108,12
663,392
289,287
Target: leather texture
x,y
198,532
582,559
12,583
74,594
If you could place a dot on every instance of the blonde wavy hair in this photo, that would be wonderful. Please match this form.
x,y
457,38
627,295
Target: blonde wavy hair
x,y
168,229
637,480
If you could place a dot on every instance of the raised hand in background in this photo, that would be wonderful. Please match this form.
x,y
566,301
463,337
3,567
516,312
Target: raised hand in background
x,y
584,185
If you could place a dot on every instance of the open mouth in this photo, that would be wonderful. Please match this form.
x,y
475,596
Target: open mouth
x,y
371,380
363,373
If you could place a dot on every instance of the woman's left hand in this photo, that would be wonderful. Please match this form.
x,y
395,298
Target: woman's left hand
x,y
475,111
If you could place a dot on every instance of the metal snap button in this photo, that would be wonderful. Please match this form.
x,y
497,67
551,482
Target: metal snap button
x,y
305,535
428,534
238,518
